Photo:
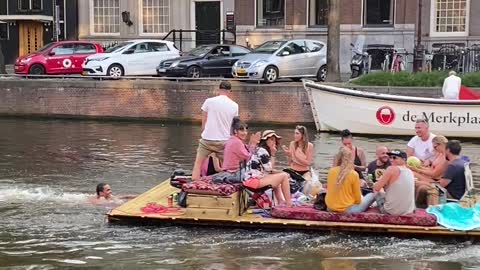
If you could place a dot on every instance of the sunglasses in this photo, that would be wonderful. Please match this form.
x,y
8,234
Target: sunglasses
x,y
393,157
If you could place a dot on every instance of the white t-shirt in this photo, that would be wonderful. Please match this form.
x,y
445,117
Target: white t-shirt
x,y
422,149
220,112
451,87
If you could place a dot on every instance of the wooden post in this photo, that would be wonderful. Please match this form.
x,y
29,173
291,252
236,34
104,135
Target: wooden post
x,y
2,61
333,43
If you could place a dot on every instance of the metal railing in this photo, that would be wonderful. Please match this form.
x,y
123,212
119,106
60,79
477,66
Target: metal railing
x,y
454,57
197,37
124,78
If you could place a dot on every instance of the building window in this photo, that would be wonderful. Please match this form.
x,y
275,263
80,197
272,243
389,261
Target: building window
x,y
270,13
378,12
30,4
106,16
155,16
318,12
450,17
3,31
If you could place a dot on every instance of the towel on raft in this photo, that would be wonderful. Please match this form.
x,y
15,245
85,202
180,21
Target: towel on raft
x,y
454,216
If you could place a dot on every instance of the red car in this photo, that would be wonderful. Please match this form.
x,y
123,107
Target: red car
x,y
63,57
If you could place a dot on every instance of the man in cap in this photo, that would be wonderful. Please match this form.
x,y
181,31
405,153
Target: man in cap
x,y
217,116
399,185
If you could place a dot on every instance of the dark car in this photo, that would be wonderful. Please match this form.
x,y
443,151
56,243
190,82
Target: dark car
x,y
203,61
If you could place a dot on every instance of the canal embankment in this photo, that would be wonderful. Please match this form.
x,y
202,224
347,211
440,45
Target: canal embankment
x,y
283,103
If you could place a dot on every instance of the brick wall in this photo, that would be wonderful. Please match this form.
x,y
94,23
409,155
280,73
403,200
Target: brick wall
x,y
282,104
279,103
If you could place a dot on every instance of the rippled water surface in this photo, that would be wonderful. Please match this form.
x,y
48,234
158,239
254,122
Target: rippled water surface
x,y
49,168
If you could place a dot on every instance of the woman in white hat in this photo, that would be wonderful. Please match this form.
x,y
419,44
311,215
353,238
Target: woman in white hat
x,y
260,172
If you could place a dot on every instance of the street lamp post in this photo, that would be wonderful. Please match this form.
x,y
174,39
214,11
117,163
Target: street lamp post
x,y
419,49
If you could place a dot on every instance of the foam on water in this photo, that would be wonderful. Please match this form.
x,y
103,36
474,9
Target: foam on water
x,y
22,195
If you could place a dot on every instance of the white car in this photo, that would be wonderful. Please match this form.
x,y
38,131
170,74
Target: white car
x,y
135,57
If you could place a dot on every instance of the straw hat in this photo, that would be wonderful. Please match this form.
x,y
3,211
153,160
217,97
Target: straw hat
x,y
269,133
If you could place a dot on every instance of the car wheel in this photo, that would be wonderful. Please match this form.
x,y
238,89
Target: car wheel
x,y
37,69
296,79
322,74
194,72
115,71
270,74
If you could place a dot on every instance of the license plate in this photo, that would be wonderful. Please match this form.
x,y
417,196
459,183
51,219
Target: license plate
x,y
161,70
242,71
85,73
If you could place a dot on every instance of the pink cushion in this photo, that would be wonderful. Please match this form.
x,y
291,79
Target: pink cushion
x,y
207,187
419,218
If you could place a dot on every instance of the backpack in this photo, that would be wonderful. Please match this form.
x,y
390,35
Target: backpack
x,y
319,202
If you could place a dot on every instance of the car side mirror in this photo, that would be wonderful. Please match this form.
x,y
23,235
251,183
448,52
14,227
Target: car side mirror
x,y
285,53
129,51
51,53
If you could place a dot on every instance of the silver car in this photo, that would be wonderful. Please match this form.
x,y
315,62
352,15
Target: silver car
x,y
276,59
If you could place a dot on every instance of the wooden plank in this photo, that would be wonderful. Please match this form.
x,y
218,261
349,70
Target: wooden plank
x,y
208,201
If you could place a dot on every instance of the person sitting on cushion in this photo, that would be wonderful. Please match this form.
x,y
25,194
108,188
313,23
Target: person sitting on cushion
x,y
260,172
399,186
343,187
236,151
426,175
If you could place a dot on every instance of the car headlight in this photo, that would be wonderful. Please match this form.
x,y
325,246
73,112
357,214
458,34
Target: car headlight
x,y
174,64
98,59
260,63
26,60
236,64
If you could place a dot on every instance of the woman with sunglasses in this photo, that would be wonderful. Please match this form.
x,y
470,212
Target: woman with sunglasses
x,y
260,172
236,151
426,175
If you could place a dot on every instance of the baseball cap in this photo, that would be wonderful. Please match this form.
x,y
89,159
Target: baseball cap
x,y
397,153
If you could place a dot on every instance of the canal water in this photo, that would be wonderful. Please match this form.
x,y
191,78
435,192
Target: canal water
x,y
49,168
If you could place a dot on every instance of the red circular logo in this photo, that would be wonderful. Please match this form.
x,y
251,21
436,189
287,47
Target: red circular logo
x,y
385,115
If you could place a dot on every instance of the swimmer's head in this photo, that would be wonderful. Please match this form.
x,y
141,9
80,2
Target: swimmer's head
x,y
104,190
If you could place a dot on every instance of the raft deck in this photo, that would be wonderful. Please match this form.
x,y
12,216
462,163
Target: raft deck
x,y
130,212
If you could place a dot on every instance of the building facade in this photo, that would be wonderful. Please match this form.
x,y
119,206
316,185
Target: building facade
x,y
114,20
450,21
27,25
387,22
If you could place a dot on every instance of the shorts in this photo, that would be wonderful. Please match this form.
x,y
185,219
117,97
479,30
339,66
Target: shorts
x,y
206,147
253,183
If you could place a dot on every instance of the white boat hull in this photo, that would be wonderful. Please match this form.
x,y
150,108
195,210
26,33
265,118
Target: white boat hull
x,y
370,113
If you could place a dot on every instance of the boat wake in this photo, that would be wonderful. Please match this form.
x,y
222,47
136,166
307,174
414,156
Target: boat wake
x,y
39,194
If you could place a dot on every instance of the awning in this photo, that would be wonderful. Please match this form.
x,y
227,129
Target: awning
x,y
41,18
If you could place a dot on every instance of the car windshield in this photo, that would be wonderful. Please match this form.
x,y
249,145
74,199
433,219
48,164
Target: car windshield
x,y
269,47
200,51
44,48
117,47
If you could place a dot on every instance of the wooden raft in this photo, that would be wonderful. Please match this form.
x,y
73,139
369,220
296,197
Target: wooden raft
x,y
223,211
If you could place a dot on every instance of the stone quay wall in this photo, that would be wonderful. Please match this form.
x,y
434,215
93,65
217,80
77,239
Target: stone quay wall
x,y
161,100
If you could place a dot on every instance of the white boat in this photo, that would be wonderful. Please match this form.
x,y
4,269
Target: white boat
x,y
361,112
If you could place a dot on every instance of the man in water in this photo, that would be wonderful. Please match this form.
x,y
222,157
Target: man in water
x,y
104,195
